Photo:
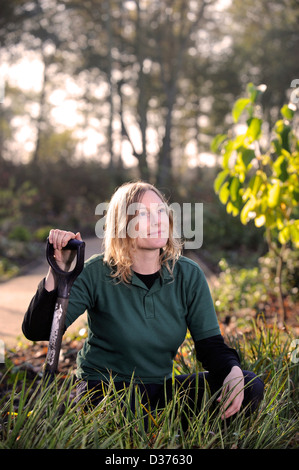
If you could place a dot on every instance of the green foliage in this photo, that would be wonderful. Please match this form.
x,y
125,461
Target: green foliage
x,y
238,289
260,181
20,233
14,198
256,183
290,273
7,269
42,233
37,417
243,292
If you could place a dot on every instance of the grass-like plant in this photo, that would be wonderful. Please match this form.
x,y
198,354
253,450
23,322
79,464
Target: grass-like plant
x,y
36,415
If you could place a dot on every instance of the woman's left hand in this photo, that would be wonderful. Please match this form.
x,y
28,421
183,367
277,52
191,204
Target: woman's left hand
x,y
232,393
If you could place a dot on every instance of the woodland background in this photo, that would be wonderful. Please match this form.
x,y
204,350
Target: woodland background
x,y
100,92
94,93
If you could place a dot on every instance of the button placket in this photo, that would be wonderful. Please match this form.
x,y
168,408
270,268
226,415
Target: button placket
x,y
149,306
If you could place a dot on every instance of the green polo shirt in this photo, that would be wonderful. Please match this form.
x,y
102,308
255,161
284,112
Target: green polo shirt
x,y
134,330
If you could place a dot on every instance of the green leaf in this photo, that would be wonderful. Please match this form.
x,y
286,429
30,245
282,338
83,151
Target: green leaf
x,y
254,129
246,194
234,188
266,160
255,184
221,177
279,223
252,92
247,155
227,154
294,233
296,194
232,209
239,107
224,193
249,206
217,141
280,167
238,142
287,112
283,130
284,235
274,195
277,146
264,204
270,220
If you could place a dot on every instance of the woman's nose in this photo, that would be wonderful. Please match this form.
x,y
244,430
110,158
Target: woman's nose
x,y
154,218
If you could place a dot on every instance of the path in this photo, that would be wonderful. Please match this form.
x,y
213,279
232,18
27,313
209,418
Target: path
x,y
15,296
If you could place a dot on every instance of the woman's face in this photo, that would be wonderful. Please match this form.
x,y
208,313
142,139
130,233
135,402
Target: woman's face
x,y
152,222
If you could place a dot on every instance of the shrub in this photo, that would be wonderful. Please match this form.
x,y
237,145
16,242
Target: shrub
x,y
20,233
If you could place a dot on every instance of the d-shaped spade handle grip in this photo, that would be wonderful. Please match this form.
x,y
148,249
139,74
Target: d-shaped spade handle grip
x,y
65,279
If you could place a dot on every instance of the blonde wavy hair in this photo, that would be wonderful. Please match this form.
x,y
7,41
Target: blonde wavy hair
x,y
118,246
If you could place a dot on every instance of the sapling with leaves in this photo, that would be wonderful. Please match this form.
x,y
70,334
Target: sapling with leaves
x,y
259,179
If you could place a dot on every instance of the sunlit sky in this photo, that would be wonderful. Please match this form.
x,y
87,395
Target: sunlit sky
x,y
27,74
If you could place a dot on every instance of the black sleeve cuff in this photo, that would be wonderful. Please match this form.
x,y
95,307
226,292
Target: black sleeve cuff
x,y
216,357
38,319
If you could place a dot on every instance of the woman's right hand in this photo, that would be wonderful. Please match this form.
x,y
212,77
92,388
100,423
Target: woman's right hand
x,y
59,239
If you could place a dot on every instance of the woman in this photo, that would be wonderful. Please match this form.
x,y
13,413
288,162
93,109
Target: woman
x,y
141,295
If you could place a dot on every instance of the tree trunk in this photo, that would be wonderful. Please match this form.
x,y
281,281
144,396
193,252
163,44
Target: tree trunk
x,y
164,174
41,117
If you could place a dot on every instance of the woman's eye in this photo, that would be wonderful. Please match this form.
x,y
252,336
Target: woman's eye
x,y
142,213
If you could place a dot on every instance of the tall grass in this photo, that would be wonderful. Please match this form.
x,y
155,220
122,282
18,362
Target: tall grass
x,y
36,416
